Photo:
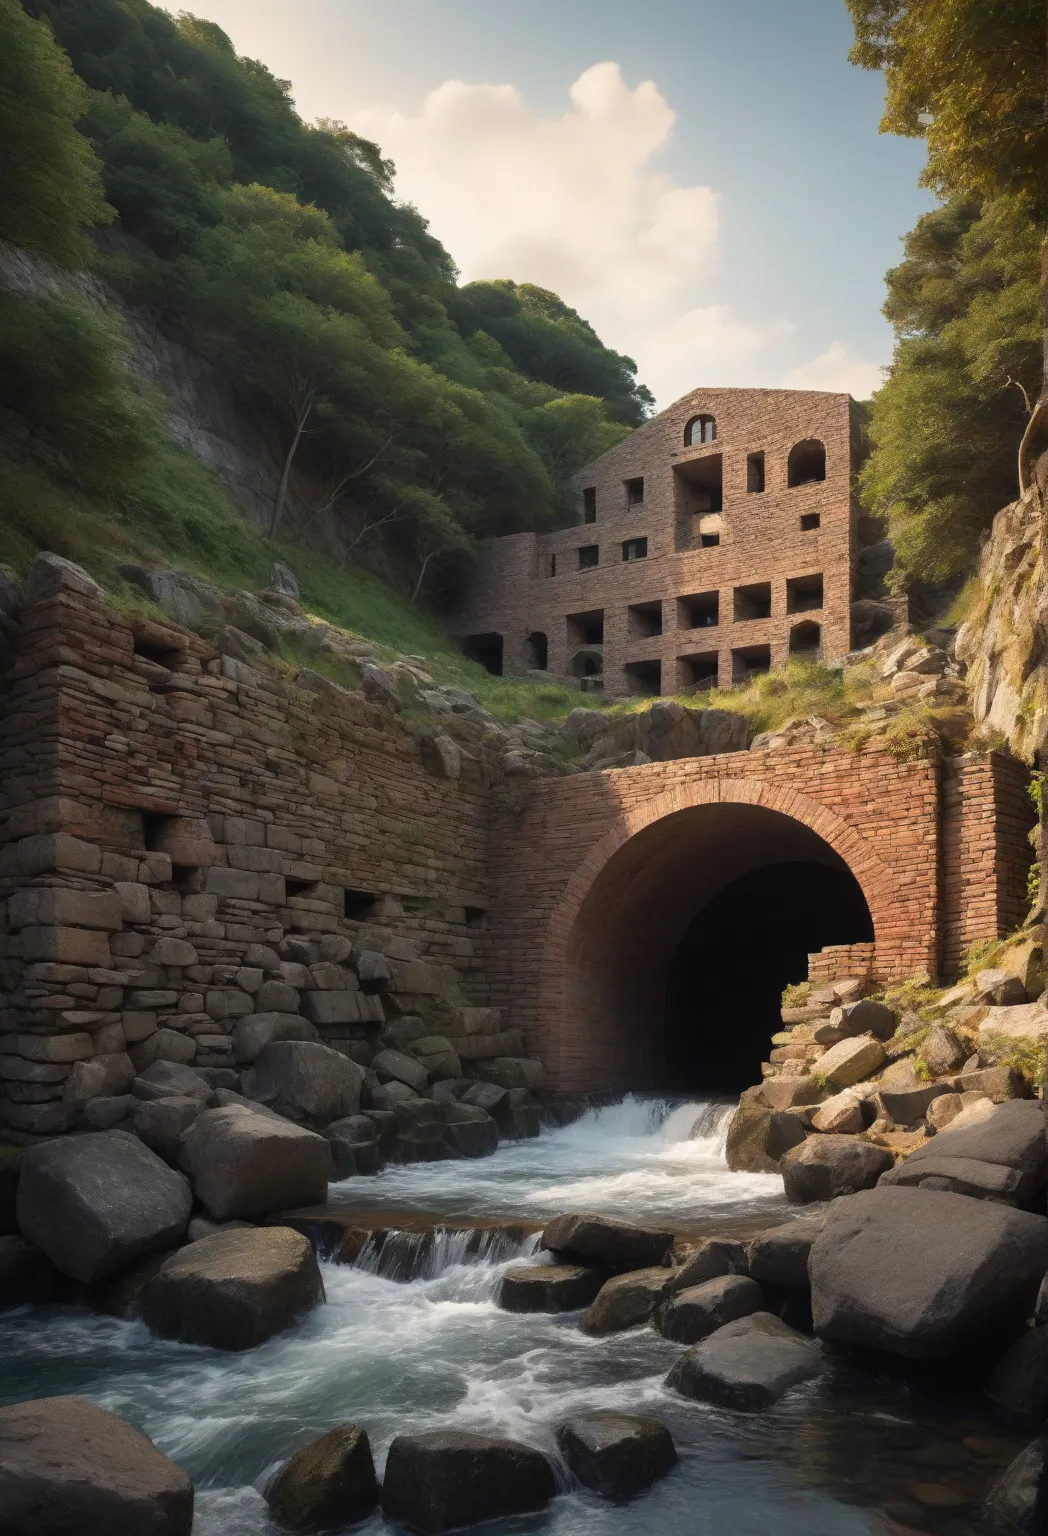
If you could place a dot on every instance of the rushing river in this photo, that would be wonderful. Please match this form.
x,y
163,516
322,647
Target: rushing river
x,y
852,1454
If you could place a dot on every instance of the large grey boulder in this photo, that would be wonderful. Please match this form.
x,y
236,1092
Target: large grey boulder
x,y
253,1032
625,1301
233,1290
748,1364
1017,1504
354,1146
69,1468
759,1133
617,1455
780,1256
548,1288
245,1164
94,1203
161,1122
695,1313
307,1081
1019,1384
617,1245
470,1131
394,1066
165,1079
823,1167
1013,1136
924,1274
327,1485
961,1176
445,1479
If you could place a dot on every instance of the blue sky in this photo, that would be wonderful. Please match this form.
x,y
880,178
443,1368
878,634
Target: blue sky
x,y
705,182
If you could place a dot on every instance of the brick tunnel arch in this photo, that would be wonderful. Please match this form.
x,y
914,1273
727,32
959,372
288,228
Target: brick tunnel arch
x,y
611,947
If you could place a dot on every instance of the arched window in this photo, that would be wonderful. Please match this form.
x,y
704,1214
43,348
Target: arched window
x,y
805,640
807,462
700,429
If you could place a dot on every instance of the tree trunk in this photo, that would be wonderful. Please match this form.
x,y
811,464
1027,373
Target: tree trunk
x,y
285,473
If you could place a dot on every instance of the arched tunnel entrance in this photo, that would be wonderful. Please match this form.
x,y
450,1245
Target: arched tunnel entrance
x,y
685,940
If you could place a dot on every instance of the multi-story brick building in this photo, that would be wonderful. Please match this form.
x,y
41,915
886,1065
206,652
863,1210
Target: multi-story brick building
x,y
714,542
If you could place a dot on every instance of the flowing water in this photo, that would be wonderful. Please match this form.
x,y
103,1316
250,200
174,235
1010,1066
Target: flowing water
x,y
411,1339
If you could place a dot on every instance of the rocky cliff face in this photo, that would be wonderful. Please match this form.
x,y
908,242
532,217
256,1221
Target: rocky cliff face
x,y
1004,642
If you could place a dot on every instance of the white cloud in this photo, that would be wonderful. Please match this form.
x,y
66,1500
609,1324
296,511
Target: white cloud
x,y
836,370
574,203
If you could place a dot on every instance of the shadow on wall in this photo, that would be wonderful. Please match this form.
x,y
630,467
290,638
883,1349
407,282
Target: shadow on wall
x,y
751,940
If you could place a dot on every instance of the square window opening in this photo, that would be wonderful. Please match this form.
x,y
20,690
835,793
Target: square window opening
x,y
698,494
697,674
485,649
589,556
164,656
358,905
752,602
589,504
299,888
635,549
635,492
474,916
585,628
643,677
755,472
750,661
803,594
699,610
810,521
643,620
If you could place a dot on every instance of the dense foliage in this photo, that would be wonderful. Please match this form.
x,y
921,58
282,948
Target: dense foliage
x,y
946,425
401,402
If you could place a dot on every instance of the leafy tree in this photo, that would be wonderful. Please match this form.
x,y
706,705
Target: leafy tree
x,y
972,77
50,177
947,423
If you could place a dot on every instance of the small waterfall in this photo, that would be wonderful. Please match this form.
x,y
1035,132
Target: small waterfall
x,y
394,1254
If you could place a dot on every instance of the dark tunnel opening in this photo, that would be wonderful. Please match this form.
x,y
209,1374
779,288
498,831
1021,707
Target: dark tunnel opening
x,y
739,952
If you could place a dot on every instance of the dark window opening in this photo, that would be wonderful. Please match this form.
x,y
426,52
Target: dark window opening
x,y
753,602
635,549
803,594
154,825
588,666
474,916
699,611
298,888
357,904
709,531
538,651
644,620
697,674
750,661
187,879
805,640
589,504
807,463
585,628
161,655
635,492
553,565
485,649
700,429
698,498
782,912
644,677
755,472
809,521
589,556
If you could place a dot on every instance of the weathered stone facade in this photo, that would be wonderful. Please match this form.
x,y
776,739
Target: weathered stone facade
x,y
746,554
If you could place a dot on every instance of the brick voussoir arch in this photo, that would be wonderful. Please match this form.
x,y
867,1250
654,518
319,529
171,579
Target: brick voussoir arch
x,y
878,885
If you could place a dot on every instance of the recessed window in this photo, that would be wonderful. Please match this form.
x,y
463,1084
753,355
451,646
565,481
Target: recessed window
x,y
803,593
752,602
584,629
294,888
643,676
700,429
701,610
635,492
806,640
589,504
358,905
589,556
750,661
755,472
807,463
709,525
697,674
537,651
810,521
698,493
161,655
474,916
553,565
644,620
635,549
485,649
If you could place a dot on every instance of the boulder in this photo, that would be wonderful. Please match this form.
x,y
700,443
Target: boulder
x,y
354,1146
695,1313
905,1106
445,1479
851,1061
823,1167
328,1483
748,1364
94,1203
255,1031
26,1275
789,1092
548,1288
714,1256
233,1290
627,1300
395,1066
1017,1504
160,1123
1012,1135
618,1245
513,1072
171,1078
842,1115
758,1135
469,1131
1019,1384
780,1257
864,1017
998,1083
961,1175
68,1467
307,1081
942,1052
925,1274
245,1164
162,1045
617,1455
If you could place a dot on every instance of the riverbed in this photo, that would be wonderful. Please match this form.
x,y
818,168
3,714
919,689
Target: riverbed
x,y
870,1448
